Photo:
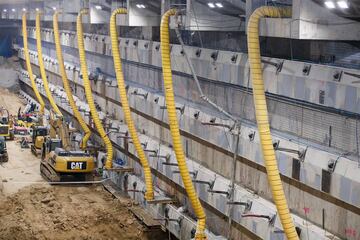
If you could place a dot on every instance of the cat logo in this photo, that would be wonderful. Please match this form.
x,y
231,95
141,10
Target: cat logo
x,y
76,165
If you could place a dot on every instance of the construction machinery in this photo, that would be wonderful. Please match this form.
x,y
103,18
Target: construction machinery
x,y
59,160
26,119
24,122
6,124
3,151
38,135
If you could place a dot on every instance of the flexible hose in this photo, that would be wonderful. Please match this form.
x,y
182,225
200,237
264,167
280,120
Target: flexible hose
x,y
29,69
42,67
66,83
88,92
174,126
262,115
149,194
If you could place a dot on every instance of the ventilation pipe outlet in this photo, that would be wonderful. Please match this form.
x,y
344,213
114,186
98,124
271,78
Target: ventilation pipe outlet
x,y
174,125
88,92
29,69
65,80
42,67
149,194
262,115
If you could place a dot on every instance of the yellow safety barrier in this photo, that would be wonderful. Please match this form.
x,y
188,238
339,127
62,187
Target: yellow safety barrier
x,y
29,69
149,195
174,126
262,115
66,83
42,67
88,92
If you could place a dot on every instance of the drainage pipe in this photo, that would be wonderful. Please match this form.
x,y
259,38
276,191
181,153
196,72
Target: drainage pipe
x,y
66,83
42,67
174,125
149,194
88,92
29,69
262,115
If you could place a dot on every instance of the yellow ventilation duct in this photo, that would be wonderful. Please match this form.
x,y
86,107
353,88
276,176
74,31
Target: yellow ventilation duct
x,y
29,69
66,83
174,126
149,195
262,115
42,67
88,92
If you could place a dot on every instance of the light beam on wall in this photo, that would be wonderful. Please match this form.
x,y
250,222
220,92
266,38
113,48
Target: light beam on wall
x,y
343,4
330,4
219,5
140,6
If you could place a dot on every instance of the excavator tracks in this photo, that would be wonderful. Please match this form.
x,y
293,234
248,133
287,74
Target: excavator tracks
x,y
49,173
35,151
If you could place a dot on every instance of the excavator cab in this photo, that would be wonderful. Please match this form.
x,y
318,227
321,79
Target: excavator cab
x,y
50,145
38,138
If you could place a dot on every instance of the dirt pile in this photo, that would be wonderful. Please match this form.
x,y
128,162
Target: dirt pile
x,y
43,212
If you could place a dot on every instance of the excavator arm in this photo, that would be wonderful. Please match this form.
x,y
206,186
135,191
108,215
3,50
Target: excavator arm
x,y
59,129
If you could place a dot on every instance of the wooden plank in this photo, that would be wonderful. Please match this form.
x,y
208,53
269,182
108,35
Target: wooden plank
x,y
138,211
161,200
114,190
121,169
145,217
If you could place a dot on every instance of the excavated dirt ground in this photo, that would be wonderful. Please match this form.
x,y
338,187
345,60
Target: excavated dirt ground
x,y
41,212
32,209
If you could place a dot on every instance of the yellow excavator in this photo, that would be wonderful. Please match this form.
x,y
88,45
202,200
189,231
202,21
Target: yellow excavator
x,y
38,135
6,124
59,160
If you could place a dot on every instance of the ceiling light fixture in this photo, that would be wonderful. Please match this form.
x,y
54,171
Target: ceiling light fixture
x,y
37,9
13,10
54,8
140,6
5,10
330,4
211,5
343,4
24,9
219,5
98,7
